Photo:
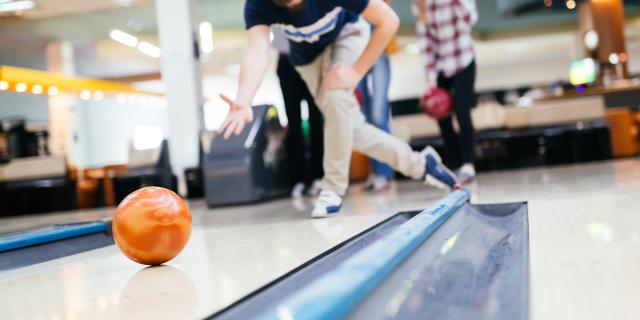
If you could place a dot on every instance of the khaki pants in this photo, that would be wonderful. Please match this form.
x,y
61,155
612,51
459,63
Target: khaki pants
x,y
345,128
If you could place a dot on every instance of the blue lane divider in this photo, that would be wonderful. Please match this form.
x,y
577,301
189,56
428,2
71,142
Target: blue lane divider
x,y
49,234
337,292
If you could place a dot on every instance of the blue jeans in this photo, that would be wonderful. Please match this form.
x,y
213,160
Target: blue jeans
x,y
376,105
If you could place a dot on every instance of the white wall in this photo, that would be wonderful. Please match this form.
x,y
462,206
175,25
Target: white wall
x,y
509,63
26,53
268,93
109,129
31,107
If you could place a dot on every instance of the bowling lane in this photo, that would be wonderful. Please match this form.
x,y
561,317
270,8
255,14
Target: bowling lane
x,y
556,182
585,257
232,252
237,250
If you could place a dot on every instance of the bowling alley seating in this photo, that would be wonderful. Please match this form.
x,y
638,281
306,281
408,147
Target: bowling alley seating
x,y
195,184
31,180
4,147
34,185
548,132
145,168
108,185
193,176
555,112
21,139
96,188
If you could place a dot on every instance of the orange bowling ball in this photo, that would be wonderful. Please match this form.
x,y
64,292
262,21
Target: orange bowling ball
x,y
152,225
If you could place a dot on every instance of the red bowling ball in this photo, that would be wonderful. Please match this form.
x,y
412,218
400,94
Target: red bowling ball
x,y
436,103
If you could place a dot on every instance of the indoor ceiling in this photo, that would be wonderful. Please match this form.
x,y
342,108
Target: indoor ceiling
x,y
82,20
59,18
55,8
87,25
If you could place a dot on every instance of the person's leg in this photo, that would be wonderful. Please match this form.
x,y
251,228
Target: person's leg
x,y
370,140
317,144
337,107
365,94
366,100
463,88
345,128
379,113
290,84
464,99
447,132
363,87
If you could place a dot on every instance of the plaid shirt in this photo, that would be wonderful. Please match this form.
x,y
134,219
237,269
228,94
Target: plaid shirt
x,y
445,39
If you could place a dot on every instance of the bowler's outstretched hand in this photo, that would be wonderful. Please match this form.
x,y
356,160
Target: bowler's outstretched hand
x,y
237,118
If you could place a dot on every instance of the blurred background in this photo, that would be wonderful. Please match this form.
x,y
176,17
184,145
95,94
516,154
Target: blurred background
x,y
98,98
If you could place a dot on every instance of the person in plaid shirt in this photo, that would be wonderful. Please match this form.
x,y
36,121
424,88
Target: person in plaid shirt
x,y
444,33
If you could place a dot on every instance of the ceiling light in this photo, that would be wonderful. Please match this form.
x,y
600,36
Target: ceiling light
x,y
124,3
4,85
591,39
124,38
21,87
623,57
85,94
16,6
36,89
98,95
571,4
149,49
614,58
53,90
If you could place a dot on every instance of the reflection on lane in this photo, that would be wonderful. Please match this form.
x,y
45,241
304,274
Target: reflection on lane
x,y
158,292
474,267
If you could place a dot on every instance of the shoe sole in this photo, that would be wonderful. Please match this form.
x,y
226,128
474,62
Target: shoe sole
x,y
467,181
323,215
430,180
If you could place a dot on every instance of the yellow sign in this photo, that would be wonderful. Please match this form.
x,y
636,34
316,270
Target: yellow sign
x,y
35,81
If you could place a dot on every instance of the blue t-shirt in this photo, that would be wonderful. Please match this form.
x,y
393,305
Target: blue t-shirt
x,y
309,30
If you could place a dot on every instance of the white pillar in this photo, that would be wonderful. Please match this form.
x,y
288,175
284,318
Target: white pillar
x,y
183,83
66,130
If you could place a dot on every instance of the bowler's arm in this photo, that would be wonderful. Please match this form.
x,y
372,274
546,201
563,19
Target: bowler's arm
x,y
254,65
252,70
385,23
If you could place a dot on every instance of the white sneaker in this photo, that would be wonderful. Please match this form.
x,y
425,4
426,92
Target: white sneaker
x,y
298,190
466,174
315,188
328,204
377,183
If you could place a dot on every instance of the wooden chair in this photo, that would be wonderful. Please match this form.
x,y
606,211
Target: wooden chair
x,y
623,125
